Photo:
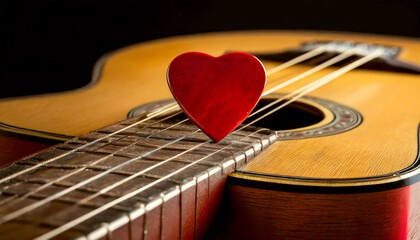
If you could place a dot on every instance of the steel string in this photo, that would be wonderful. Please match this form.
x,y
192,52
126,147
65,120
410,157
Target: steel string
x,y
289,63
300,58
27,208
325,64
322,81
92,163
83,146
92,213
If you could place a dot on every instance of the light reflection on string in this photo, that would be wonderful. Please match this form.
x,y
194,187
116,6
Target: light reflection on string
x,y
299,93
314,85
292,62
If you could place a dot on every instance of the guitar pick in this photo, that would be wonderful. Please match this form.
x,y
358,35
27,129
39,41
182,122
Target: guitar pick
x,y
216,93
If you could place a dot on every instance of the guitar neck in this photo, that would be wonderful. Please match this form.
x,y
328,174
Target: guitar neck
x,y
99,174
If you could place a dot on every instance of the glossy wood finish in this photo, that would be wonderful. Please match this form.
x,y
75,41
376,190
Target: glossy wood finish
x,y
271,214
167,203
386,141
136,75
217,94
12,148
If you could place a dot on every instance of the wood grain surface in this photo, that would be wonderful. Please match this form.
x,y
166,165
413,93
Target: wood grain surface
x,y
12,148
385,142
168,203
267,214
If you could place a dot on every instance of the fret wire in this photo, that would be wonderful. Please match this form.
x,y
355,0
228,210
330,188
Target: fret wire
x,y
81,147
114,185
327,79
180,210
322,81
76,221
292,62
98,160
35,205
101,175
114,133
70,174
140,173
31,207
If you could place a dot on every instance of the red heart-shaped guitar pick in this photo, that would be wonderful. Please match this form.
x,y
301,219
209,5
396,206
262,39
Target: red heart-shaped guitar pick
x,y
216,93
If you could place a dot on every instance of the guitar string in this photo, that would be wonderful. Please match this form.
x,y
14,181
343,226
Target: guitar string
x,y
292,100
326,79
83,146
15,199
79,169
13,215
328,63
289,63
298,70
106,206
116,184
330,78
322,81
50,183
173,157
37,204
108,188
300,58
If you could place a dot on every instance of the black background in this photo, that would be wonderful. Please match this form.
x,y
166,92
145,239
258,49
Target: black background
x,y
49,46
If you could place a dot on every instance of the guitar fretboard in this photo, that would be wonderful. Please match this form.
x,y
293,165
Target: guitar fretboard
x,y
181,184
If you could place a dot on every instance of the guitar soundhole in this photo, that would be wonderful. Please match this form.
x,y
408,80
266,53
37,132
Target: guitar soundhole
x,y
306,118
293,116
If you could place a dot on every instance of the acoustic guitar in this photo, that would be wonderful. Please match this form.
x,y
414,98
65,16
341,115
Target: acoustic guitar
x,y
330,152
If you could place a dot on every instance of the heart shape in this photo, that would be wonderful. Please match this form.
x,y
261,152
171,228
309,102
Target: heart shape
x,y
216,93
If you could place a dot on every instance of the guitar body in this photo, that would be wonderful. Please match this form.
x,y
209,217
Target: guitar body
x,y
361,183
